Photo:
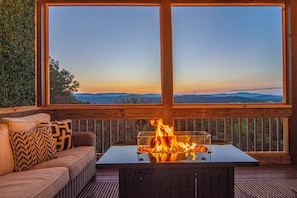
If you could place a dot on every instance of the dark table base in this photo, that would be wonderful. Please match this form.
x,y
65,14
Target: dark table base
x,y
177,182
209,175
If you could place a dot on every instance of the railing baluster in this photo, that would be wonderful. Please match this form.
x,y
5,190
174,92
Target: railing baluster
x,y
232,131
195,125
86,125
78,125
248,138
109,133
179,124
226,129
133,130
125,129
102,137
285,135
217,128
94,126
207,125
255,135
270,135
278,134
202,124
263,134
239,133
140,125
117,133
186,124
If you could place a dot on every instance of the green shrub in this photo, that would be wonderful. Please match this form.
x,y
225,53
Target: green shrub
x,y
17,53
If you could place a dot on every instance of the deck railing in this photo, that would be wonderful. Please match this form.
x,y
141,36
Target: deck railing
x,y
248,134
261,130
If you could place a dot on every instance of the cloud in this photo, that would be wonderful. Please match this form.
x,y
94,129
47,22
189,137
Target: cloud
x,y
261,90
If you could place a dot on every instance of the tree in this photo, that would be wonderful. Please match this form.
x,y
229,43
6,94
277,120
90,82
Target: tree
x,y
62,85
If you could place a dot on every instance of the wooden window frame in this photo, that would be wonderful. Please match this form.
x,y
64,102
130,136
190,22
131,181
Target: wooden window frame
x,y
167,107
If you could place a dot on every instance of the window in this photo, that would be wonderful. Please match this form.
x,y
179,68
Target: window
x,y
112,51
170,56
221,54
227,54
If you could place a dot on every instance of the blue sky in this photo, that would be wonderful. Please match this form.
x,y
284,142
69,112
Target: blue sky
x,y
215,49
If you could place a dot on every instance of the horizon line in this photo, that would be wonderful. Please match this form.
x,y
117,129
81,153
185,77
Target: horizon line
x,y
217,93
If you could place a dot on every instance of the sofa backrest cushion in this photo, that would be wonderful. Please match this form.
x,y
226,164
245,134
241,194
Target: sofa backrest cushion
x,y
26,122
6,156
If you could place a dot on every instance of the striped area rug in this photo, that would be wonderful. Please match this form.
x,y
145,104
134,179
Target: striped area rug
x,y
270,188
244,188
100,190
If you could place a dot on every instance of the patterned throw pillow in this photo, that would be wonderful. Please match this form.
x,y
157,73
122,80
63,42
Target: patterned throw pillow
x,y
32,147
62,133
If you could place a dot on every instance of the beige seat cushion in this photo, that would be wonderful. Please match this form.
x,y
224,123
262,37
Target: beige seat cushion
x,y
6,156
74,159
39,183
26,122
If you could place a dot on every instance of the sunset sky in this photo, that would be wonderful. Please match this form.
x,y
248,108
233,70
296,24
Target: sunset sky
x,y
215,49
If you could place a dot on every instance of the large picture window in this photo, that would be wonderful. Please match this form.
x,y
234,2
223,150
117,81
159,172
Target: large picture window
x,y
227,54
113,53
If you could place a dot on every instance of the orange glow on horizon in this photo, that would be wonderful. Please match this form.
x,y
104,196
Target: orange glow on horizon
x,y
94,90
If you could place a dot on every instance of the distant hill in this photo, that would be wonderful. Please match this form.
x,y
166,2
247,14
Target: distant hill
x,y
118,98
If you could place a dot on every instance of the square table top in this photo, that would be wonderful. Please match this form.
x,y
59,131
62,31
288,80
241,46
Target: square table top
x,y
126,156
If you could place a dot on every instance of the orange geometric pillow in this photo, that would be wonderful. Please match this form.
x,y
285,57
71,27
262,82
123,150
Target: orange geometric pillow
x,y
62,133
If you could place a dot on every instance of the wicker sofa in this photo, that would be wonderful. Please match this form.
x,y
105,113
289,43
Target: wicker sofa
x,y
63,175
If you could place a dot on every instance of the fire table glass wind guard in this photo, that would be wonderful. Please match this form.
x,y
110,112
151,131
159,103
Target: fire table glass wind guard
x,y
173,147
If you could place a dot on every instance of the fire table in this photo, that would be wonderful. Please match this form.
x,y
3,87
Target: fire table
x,y
209,174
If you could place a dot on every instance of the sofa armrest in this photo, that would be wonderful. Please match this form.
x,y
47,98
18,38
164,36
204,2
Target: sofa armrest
x,y
84,139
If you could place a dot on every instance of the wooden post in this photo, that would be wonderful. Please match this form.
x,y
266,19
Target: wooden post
x,y
166,62
292,75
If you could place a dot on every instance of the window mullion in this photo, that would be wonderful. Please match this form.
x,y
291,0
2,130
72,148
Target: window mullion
x,y
166,61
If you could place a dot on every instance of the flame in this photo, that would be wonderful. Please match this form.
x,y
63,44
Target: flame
x,y
165,147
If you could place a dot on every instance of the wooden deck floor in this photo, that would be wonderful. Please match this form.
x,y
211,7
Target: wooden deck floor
x,y
260,172
266,172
